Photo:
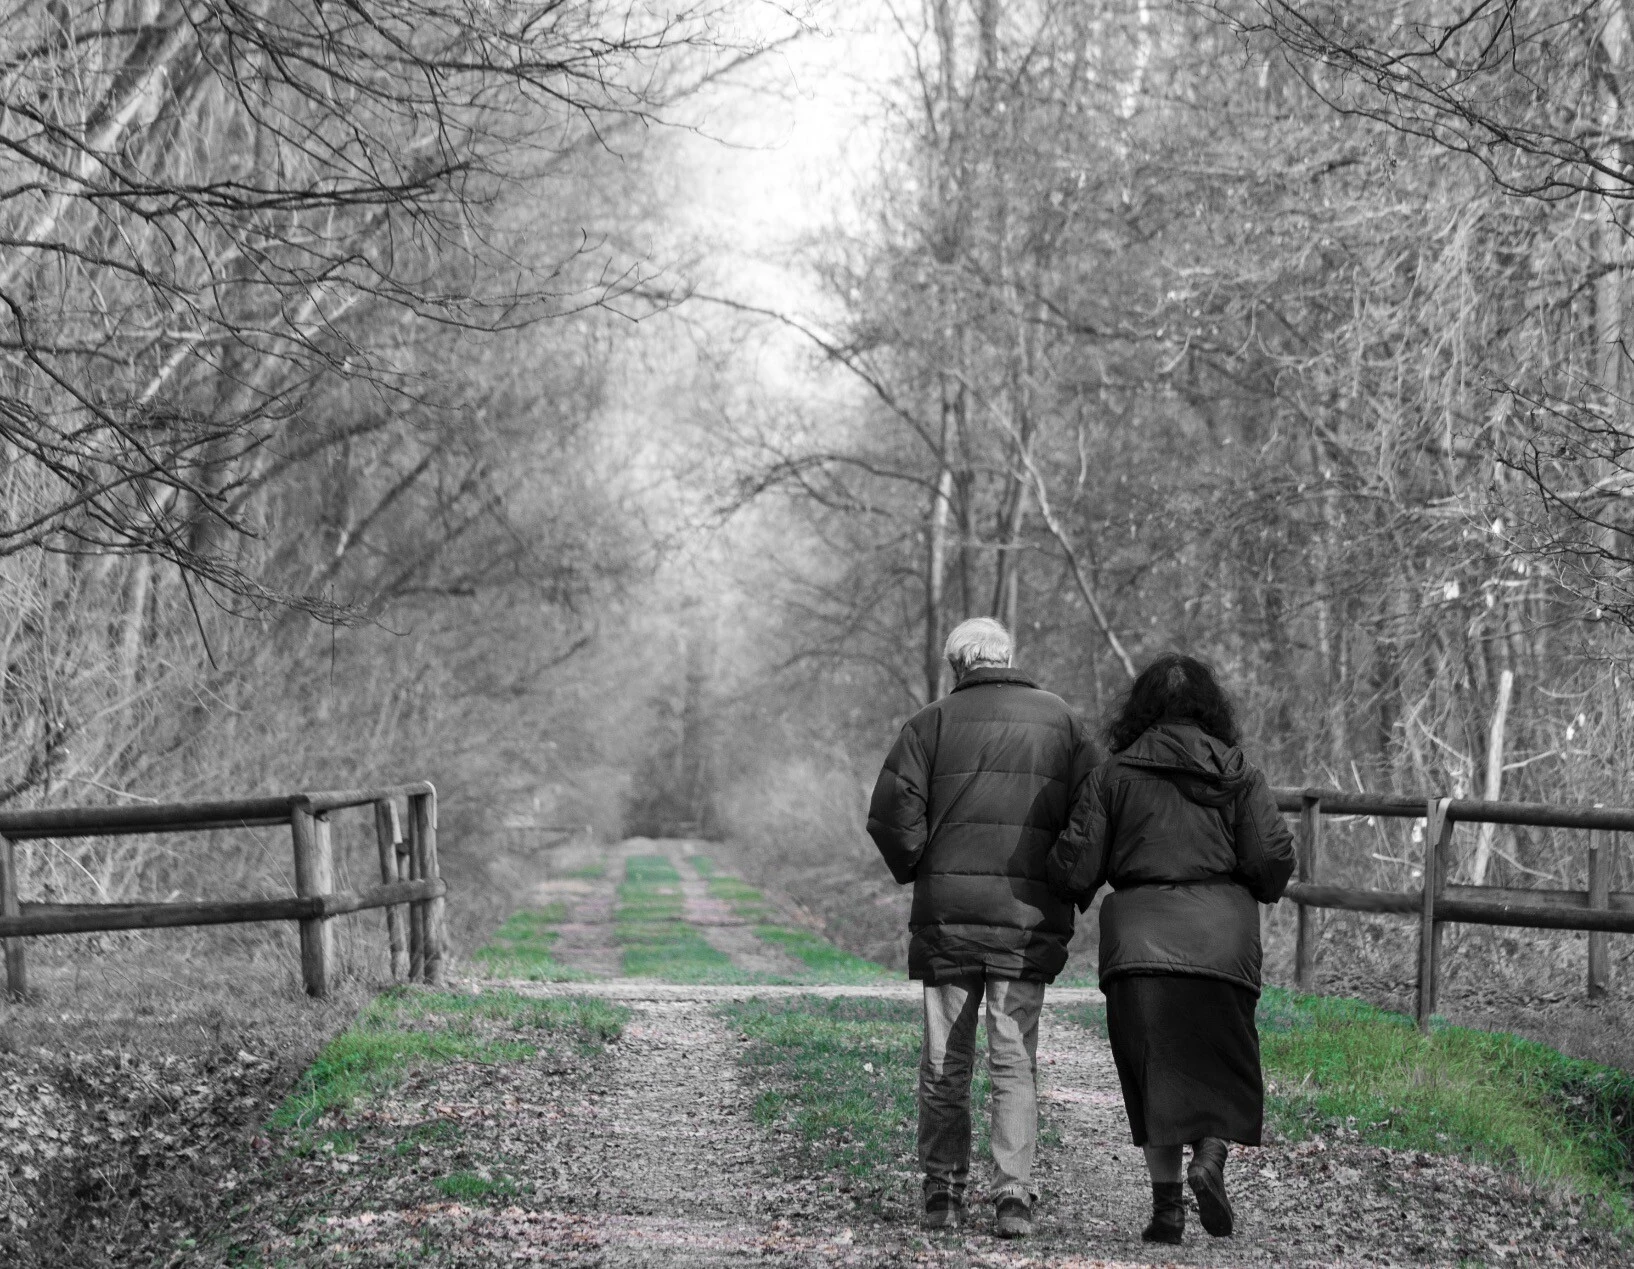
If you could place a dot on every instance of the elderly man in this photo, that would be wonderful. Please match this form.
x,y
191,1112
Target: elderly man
x,y
969,803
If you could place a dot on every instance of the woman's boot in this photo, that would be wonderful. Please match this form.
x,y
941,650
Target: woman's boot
x,y
1168,1213
1206,1176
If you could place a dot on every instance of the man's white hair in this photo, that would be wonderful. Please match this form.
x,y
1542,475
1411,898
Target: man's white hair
x,y
981,641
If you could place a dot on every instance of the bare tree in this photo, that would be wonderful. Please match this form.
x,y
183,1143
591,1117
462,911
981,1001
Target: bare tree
x,y
208,209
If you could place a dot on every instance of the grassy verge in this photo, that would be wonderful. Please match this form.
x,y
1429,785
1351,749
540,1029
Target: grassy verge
x,y
1346,1069
824,962
404,1030
404,1110
521,948
840,1077
650,926
746,901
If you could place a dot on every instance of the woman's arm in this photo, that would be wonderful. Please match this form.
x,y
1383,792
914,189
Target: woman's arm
x,y
1264,843
1076,864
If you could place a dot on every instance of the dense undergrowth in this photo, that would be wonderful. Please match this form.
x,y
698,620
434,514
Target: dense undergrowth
x,y
1345,1069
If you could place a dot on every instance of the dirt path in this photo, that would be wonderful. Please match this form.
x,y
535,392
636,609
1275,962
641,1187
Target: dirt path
x,y
1308,1203
586,940
651,1155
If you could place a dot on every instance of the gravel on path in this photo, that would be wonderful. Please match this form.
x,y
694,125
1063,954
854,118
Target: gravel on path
x,y
652,1156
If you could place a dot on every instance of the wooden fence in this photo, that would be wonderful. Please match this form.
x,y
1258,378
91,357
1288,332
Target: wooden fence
x,y
1597,910
409,875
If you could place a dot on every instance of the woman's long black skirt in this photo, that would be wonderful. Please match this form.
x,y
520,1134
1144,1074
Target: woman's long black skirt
x,y
1188,1058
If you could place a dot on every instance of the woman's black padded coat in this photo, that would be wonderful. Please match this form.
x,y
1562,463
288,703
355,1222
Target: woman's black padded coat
x,y
1189,836
971,798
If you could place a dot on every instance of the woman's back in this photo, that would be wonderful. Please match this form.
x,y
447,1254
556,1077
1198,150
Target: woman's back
x,y
1169,799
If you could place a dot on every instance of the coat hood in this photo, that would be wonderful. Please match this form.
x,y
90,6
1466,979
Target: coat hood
x,y
1207,771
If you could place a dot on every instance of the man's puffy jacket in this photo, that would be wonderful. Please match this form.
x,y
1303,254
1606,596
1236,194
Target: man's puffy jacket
x,y
1189,836
971,798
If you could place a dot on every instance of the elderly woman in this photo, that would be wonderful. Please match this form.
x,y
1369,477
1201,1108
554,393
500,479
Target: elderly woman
x,y
1189,837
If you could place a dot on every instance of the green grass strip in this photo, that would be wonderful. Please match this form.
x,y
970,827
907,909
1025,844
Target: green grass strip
x,y
842,1073
747,902
651,927
1345,1065
404,1029
825,962
1349,1069
521,948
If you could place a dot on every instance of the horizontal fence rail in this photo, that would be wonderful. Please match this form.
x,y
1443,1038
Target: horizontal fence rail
x,y
411,888
1597,910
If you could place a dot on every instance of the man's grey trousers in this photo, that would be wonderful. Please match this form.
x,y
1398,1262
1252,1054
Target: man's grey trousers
x,y
945,1063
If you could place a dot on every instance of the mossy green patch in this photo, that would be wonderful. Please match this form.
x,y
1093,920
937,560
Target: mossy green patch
x,y
403,1029
476,1186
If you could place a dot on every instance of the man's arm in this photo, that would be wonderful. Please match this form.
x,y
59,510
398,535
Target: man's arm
x,y
1265,844
897,818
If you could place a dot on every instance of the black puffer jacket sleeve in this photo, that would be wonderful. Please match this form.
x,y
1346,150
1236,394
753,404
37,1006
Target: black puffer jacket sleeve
x,y
897,812
1076,865
1264,843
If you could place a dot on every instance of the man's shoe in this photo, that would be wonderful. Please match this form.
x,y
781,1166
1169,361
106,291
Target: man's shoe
x,y
942,1211
1015,1218
1206,1176
1168,1222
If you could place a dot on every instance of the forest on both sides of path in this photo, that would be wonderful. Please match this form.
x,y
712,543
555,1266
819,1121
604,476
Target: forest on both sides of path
x,y
605,410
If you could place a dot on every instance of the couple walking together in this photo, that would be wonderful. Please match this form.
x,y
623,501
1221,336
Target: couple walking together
x,y
1006,815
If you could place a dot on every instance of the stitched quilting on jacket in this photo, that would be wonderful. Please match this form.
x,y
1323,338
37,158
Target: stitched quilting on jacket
x,y
1188,834
970,799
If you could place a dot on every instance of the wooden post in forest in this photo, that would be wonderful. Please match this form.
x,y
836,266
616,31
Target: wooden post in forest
x,y
11,905
423,835
1600,862
1310,841
415,861
314,876
1437,848
388,833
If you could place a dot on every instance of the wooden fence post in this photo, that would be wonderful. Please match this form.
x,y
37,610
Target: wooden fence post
x,y
417,909
1310,841
387,833
423,816
1437,843
11,905
314,875
1599,897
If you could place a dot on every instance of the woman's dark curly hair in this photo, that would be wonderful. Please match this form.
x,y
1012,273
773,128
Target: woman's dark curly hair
x,y
1172,688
